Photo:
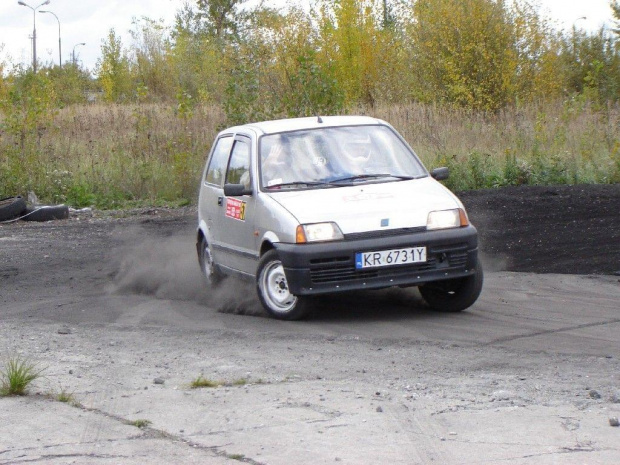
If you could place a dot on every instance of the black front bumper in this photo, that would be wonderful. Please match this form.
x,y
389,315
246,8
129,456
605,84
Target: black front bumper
x,y
330,266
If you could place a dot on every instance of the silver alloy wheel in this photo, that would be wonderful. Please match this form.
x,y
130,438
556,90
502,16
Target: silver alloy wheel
x,y
274,288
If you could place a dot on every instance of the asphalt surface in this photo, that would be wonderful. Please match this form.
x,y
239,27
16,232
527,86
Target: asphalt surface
x,y
113,309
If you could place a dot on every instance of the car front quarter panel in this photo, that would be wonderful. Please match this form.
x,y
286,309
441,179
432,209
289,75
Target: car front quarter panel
x,y
274,223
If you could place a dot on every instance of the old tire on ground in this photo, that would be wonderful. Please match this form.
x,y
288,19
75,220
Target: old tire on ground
x,y
46,213
454,295
11,207
209,269
273,291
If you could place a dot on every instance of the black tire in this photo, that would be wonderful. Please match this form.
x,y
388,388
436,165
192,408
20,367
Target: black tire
x,y
210,271
454,295
46,213
273,292
11,207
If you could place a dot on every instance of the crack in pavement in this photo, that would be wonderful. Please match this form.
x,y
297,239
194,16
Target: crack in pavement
x,y
147,432
61,456
546,331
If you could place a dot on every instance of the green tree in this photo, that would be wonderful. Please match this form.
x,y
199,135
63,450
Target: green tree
x,y
463,52
154,69
591,65
28,104
615,9
221,17
354,47
114,69
71,84
536,69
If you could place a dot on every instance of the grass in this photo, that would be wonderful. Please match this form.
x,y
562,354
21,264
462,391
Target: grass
x,y
115,156
17,375
202,382
66,397
140,423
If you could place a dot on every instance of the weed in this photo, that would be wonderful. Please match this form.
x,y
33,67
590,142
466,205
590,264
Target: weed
x,y
202,382
240,382
235,456
118,156
140,423
66,397
17,376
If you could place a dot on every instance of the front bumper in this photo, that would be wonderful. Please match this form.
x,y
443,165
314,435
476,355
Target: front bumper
x,y
330,266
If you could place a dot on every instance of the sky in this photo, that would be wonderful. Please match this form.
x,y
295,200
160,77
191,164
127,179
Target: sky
x,y
88,21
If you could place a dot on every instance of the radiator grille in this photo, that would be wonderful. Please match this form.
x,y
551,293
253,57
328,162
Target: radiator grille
x,y
342,269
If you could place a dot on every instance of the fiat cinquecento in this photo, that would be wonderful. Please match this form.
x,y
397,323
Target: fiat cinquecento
x,y
319,205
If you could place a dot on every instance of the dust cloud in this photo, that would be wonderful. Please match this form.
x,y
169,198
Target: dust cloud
x,y
167,268
493,262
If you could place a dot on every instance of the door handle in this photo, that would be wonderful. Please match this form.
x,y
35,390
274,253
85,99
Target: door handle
x,y
220,201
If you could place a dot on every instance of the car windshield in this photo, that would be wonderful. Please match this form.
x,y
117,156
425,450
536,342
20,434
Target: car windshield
x,y
335,156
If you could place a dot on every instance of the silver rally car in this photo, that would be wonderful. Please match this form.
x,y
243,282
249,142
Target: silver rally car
x,y
318,205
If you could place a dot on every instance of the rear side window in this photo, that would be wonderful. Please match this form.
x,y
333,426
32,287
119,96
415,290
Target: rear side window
x,y
239,167
217,164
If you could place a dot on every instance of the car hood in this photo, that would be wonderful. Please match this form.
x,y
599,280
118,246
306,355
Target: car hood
x,y
369,207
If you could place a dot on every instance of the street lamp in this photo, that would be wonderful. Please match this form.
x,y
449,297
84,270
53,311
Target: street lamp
x,y
59,43
81,43
579,19
34,31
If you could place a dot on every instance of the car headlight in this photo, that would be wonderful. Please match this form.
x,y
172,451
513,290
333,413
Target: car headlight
x,y
444,219
318,232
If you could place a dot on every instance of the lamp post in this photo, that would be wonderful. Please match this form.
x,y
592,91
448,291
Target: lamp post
x,y
579,19
81,43
34,31
59,43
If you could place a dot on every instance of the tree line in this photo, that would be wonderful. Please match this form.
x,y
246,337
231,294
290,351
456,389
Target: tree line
x,y
261,62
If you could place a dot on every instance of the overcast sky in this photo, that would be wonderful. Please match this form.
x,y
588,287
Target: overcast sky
x,y
90,20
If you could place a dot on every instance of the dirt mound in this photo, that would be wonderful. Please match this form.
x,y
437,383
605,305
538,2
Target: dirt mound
x,y
548,229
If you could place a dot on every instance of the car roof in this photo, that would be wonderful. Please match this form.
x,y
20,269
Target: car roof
x,y
314,122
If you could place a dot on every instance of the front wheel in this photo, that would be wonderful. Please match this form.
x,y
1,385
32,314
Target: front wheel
x,y
273,291
454,295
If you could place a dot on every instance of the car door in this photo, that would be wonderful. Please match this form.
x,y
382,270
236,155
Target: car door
x,y
237,213
212,192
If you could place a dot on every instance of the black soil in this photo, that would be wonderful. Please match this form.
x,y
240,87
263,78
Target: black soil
x,y
540,229
548,229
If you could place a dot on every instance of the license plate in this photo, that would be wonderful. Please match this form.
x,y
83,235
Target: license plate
x,y
390,257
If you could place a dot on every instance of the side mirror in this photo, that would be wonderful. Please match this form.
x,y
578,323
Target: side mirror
x,y
440,173
236,190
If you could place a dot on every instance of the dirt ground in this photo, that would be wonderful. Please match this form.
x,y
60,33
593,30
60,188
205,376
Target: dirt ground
x,y
558,229
113,307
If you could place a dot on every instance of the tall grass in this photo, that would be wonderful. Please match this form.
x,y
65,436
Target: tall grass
x,y
563,143
17,375
117,155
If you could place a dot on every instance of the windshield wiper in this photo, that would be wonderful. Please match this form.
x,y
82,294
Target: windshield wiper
x,y
297,183
363,177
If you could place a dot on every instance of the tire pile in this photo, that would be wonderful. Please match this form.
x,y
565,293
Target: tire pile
x,y
15,208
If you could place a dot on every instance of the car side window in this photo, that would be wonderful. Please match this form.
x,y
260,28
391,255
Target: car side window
x,y
239,166
217,165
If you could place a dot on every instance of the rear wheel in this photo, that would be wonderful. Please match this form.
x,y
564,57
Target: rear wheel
x,y
273,291
454,295
207,266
